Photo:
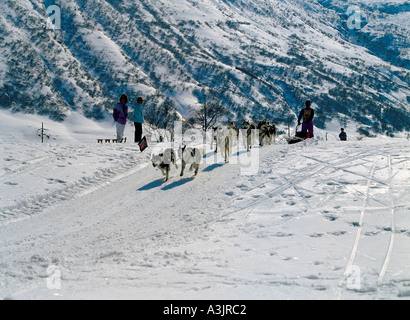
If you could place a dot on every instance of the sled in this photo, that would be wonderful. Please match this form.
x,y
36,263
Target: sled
x,y
294,140
299,136
124,140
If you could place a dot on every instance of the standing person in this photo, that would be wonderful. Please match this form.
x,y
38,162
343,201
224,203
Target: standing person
x,y
343,135
138,119
120,115
307,114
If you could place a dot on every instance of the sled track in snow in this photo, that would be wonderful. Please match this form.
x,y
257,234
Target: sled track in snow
x,y
371,179
360,227
38,204
317,169
29,164
351,263
393,225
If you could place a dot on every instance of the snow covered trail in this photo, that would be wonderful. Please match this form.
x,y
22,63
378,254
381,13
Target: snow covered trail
x,y
319,220
113,219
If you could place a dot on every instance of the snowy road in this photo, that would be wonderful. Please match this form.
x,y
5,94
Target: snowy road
x,y
323,220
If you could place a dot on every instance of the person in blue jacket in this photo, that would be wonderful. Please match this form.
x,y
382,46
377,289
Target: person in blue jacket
x,y
138,119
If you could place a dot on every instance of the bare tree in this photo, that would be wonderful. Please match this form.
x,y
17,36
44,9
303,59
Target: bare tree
x,y
161,115
208,115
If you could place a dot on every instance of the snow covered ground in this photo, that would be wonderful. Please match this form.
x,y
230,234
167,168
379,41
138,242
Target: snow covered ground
x,y
316,220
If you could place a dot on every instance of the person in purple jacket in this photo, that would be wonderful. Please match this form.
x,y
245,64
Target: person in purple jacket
x,y
120,115
307,114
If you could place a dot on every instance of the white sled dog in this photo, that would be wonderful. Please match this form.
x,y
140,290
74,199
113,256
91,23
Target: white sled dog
x,y
192,156
164,160
228,141
217,136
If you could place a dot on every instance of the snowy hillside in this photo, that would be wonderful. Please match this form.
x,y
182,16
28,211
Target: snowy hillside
x,y
259,59
316,220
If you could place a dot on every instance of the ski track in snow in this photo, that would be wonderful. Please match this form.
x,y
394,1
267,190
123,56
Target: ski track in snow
x,y
43,194
319,220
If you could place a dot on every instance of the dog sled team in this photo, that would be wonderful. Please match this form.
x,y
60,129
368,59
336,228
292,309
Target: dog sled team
x,y
222,141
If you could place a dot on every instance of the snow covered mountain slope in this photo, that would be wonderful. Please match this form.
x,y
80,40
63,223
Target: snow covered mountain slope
x,y
260,59
317,220
380,26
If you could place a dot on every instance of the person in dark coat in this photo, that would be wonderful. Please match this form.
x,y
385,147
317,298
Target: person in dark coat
x,y
343,135
307,114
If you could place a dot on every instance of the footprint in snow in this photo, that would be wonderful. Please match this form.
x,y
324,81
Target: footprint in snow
x,y
316,235
11,183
